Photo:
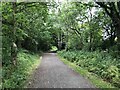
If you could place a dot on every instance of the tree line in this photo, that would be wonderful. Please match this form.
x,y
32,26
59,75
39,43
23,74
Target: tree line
x,y
70,25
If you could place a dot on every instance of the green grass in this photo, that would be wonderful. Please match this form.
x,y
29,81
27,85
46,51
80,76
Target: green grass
x,y
16,77
97,81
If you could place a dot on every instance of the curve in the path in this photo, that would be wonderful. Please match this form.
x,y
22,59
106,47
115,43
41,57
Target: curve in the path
x,y
53,73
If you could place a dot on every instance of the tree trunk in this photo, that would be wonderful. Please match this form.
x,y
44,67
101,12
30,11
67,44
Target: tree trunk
x,y
116,23
118,35
14,46
114,14
66,47
59,42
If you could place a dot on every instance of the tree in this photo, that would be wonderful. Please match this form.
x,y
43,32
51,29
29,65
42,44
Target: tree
x,y
113,10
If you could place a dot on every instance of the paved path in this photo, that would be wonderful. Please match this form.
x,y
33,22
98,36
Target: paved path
x,y
53,73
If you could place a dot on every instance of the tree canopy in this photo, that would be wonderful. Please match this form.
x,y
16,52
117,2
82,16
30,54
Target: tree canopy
x,y
40,26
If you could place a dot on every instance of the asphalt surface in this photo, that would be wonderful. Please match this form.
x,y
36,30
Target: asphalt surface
x,y
53,73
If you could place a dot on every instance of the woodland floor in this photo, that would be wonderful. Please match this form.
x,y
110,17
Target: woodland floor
x,y
53,73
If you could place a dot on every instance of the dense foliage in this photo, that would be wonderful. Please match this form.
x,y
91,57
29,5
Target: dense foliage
x,y
99,63
87,26
93,30
43,26
24,25
15,77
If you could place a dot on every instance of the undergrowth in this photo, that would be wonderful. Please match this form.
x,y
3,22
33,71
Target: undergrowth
x,y
99,63
16,76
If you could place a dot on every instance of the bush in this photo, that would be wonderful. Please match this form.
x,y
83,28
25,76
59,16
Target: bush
x,y
99,63
15,77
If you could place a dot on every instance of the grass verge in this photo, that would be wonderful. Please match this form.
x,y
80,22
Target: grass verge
x,y
97,81
16,77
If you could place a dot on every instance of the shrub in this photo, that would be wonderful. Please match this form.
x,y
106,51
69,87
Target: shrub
x,y
15,77
99,63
